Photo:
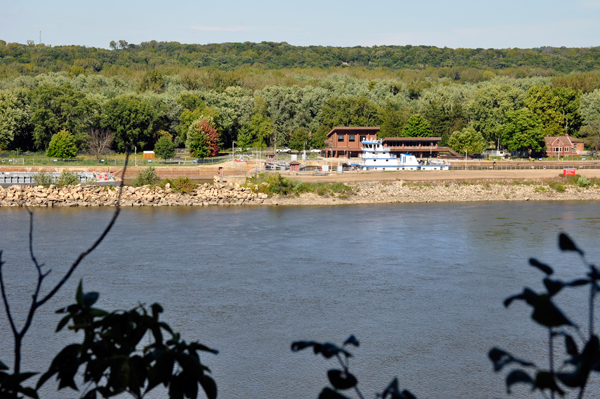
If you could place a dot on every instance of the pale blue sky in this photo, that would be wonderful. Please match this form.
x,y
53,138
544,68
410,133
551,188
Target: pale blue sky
x,y
457,23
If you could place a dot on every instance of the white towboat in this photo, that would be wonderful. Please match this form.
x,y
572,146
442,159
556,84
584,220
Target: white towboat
x,y
375,156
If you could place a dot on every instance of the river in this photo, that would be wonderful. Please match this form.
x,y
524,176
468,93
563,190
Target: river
x,y
420,285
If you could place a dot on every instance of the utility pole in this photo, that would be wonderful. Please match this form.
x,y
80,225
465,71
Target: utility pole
x,y
465,159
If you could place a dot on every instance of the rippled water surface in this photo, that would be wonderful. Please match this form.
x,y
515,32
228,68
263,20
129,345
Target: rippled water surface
x,y
420,285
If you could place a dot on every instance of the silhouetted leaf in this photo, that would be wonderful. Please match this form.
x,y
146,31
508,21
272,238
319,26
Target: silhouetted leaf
x,y
79,294
527,295
542,266
583,366
553,286
98,312
209,386
548,314
90,298
352,341
516,377
3,366
328,350
545,380
299,345
63,322
571,346
501,358
328,393
578,282
341,380
566,244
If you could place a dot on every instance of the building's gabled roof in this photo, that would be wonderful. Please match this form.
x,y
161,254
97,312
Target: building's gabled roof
x,y
565,140
351,128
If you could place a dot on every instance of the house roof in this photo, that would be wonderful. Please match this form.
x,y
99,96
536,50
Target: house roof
x,y
565,140
365,129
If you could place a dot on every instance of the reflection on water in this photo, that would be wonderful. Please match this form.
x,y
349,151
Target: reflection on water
x,y
420,285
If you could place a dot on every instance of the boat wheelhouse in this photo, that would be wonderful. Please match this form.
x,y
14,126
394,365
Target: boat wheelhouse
x,y
376,156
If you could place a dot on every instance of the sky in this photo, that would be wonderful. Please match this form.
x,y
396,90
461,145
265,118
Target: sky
x,y
454,24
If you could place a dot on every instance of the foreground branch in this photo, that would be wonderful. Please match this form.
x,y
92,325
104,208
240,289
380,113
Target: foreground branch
x,y
35,303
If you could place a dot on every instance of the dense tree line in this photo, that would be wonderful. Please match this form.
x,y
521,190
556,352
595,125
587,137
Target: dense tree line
x,y
268,55
206,108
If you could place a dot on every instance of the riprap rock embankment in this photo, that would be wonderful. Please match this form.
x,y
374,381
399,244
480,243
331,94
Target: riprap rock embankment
x,y
85,196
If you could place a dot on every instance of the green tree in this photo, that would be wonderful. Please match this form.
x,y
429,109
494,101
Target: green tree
x,y
318,138
62,145
164,148
350,111
61,107
445,121
15,116
153,80
590,106
568,105
392,121
417,126
487,109
131,122
300,140
523,131
541,101
467,140
261,125
202,138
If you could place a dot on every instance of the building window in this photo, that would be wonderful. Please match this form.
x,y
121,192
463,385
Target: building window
x,y
351,138
340,138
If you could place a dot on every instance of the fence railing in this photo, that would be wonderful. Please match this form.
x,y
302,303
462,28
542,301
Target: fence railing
x,y
524,167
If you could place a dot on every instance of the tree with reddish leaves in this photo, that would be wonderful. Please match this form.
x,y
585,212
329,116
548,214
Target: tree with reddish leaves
x,y
202,138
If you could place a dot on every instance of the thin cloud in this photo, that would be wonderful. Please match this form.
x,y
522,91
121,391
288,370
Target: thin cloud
x,y
219,29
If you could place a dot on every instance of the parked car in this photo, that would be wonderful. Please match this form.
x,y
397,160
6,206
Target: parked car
x,y
287,150
316,150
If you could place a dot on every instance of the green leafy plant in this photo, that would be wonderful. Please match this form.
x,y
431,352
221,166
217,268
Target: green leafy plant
x,y
146,176
67,178
577,365
180,185
164,147
62,145
583,181
276,184
43,178
112,360
341,379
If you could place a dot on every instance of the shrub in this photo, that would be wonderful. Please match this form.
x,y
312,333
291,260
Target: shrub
x,y
277,184
180,185
557,186
583,181
67,178
164,148
43,178
145,177
62,145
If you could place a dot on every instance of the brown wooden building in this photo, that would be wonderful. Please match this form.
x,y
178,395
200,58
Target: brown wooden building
x,y
345,142
561,146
